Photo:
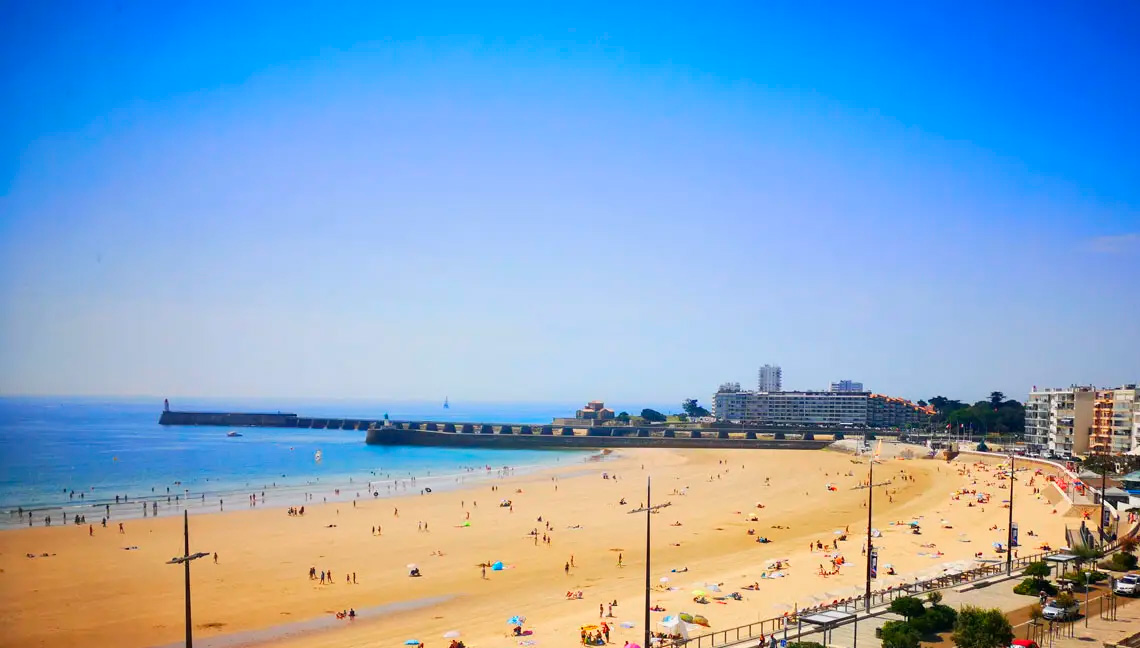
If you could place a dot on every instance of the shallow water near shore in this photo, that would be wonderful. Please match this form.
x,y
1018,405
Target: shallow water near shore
x,y
73,457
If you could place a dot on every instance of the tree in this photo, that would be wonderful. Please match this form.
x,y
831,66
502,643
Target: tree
x,y
1084,553
922,403
899,634
692,408
978,628
623,417
908,606
653,416
996,398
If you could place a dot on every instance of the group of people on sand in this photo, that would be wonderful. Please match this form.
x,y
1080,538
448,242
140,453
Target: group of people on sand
x,y
296,512
326,576
599,637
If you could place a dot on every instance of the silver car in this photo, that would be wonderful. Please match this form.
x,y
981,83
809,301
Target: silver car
x,y
1054,611
1129,585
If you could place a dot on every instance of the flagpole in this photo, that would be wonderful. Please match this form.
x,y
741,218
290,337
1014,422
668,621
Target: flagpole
x,y
870,500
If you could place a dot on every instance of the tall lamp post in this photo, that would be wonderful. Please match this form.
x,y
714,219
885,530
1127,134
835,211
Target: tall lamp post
x,y
648,509
1009,539
870,499
185,560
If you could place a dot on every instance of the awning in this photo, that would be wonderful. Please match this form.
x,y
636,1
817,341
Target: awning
x,y
1061,558
829,619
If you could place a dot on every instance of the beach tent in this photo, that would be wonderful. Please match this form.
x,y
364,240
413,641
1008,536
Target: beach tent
x,y
497,566
674,625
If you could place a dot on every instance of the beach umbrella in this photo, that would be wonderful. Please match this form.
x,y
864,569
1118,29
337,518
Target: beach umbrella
x,y
518,619
451,634
412,642
633,645
685,616
669,620
498,566
701,621
698,592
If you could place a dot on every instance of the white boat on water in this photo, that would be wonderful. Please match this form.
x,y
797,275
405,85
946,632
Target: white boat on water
x,y
233,433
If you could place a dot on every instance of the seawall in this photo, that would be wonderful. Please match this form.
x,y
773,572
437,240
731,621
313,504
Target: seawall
x,y
392,436
514,436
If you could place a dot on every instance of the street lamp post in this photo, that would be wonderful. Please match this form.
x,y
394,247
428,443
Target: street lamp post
x,y
1009,540
185,559
648,509
870,500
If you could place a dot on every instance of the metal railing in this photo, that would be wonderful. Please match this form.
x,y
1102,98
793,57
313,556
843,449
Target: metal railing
x,y
765,628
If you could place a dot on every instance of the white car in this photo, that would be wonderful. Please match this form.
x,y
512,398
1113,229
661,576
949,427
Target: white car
x,y
1054,611
1129,584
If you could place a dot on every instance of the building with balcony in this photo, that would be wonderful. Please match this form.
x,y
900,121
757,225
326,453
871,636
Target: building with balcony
x,y
1060,421
771,379
791,408
888,411
1116,413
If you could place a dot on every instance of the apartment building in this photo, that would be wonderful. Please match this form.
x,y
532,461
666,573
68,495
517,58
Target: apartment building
x,y
791,408
1060,421
846,386
771,379
889,411
1116,414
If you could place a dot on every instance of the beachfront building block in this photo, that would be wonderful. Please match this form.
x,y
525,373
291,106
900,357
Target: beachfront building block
x,y
771,379
1059,421
1116,420
846,386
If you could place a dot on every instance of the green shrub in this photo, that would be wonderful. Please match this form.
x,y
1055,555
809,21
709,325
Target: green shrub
x,y
907,606
978,628
1086,577
1033,587
898,634
1120,561
806,644
938,618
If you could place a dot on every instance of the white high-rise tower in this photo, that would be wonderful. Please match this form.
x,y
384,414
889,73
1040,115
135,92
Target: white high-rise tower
x,y
771,379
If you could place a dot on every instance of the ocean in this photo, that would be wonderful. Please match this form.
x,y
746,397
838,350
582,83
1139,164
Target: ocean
x,y
72,456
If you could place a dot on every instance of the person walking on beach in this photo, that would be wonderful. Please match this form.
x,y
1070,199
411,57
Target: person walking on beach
x,y
567,569
353,578
484,566
619,560
90,530
215,557
601,609
322,577
121,528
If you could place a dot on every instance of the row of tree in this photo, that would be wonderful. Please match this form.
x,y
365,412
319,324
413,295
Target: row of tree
x,y
996,414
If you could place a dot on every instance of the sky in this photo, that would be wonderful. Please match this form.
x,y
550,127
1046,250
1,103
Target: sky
x,y
529,203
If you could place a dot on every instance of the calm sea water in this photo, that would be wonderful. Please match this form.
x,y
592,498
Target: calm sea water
x,y
56,450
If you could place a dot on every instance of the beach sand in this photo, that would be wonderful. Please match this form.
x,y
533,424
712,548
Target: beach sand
x,y
92,592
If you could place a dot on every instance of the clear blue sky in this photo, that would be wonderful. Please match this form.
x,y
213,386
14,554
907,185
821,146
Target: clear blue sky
x,y
532,203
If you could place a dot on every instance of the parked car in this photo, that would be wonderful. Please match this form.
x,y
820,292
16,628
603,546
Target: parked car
x,y
1128,585
1023,643
1054,611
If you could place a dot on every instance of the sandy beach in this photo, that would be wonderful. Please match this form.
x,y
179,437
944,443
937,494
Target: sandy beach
x,y
91,590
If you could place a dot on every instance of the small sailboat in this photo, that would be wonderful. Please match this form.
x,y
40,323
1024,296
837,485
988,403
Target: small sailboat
x,y
445,403
317,457
233,433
